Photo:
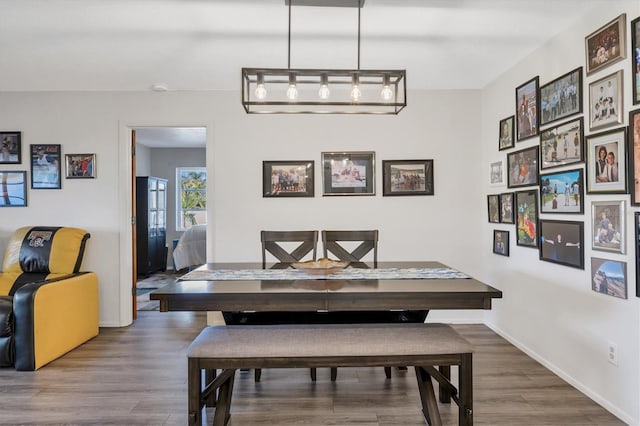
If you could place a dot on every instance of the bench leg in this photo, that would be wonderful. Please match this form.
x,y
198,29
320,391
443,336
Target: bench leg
x,y
387,372
445,395
257,374
223,407
209,375
312,371
194,384
334,373
428,397
465,390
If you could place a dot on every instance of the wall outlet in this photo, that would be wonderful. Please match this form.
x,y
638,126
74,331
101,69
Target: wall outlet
x,y
612,355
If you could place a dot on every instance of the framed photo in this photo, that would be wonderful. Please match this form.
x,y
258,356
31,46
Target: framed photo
x,y
523,167
11,148
496,173
501,242
606,45
13,186
80,166
608,226
287,179
562,192
634,156
348,173
636,226
407,177
561,97
506,207
609,277
527,109
605,101
607,162
45,167
635,61
562,145
493,205
506,139
562,242
527,219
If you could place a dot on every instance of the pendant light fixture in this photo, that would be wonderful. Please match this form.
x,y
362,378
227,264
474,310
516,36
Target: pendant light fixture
x,y
323,91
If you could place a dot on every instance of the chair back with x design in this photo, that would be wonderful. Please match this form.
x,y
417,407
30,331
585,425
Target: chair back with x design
x,y
271,243
369,242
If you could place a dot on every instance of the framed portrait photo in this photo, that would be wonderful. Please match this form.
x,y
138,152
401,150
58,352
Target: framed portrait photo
x,y
562,192
635,61
606,45
527,218
608,226
407,177
634,156
493,208
527,109
287,178
501,242
605,101
506,207
609,277
80,166
45,166
13,185
561,98
562,242
496,173
522,167
348,173
607,162
562,145
11,148
506,132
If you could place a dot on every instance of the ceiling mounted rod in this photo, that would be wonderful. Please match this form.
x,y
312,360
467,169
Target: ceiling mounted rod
x,y
289,43
358,1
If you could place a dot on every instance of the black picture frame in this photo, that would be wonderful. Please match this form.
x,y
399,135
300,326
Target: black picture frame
x,y
13,187
527,109
493,208
561,98
46,166
527,218
407,177
562,144
562,242
506,207
80,166
501,242
11,148
609,277
282,179
522,167
597,178
506,132
633,147
635,60
636,226
606,101
606,45
562,192
348,173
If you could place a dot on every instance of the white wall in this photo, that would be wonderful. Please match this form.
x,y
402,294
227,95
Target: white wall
x,y
550,310
143,160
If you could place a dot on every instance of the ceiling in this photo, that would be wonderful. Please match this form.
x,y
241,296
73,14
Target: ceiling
x,y
132,45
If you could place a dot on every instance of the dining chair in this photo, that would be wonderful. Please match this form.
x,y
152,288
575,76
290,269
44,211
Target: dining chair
x,y
271,243
368,241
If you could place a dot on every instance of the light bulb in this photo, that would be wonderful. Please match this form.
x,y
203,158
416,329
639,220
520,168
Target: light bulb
x,y
386,93
261,92
355,91
324,92
292,92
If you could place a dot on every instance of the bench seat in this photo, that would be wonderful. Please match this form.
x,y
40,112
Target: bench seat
x,y
424,346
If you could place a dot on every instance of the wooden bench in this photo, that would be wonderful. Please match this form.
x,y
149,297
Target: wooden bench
x,y
423,346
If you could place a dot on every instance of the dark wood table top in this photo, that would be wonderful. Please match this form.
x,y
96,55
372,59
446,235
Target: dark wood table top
x,y
326,294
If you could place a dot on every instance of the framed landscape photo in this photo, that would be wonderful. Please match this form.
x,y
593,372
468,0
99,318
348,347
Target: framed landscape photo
x,y
609,277
562,192
606,45
605,101
522,167
635,61
561,97
407,177
506,207
501,242
80,166
608,226
634,156
13,186
562,145
506,132
527,218
496,173
607,162
348,173
493,206
45,166
11,148
287,178
527,109
562,242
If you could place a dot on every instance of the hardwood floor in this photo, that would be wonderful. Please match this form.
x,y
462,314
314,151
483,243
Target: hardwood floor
x,y
137,376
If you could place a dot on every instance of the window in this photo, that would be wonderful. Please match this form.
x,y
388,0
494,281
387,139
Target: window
x,y
191,197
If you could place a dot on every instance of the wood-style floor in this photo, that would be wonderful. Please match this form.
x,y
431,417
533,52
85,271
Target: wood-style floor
x,y
137,376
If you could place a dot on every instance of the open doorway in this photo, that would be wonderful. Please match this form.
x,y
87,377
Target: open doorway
x,y
163,202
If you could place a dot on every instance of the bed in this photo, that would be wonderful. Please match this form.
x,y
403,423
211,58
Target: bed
x,y
191,249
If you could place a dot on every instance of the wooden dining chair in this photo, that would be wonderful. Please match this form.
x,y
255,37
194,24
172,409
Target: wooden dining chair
x,y
368,241
271,243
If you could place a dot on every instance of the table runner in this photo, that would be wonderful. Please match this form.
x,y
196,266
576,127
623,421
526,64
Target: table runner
x,y
343,274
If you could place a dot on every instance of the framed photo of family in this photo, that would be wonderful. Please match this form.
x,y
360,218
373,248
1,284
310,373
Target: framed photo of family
x,y
348,173
634,156
606,45
562,242
562,192
506,139
562,144
287,179
609,277
605,101
527,218
608,226
607,162
635,61
527,109
11,148
407,177
522,167
13,185
561,97
493,206
45,166
501,242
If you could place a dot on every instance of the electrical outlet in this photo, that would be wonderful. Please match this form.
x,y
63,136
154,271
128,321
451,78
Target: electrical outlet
x,y
613,353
